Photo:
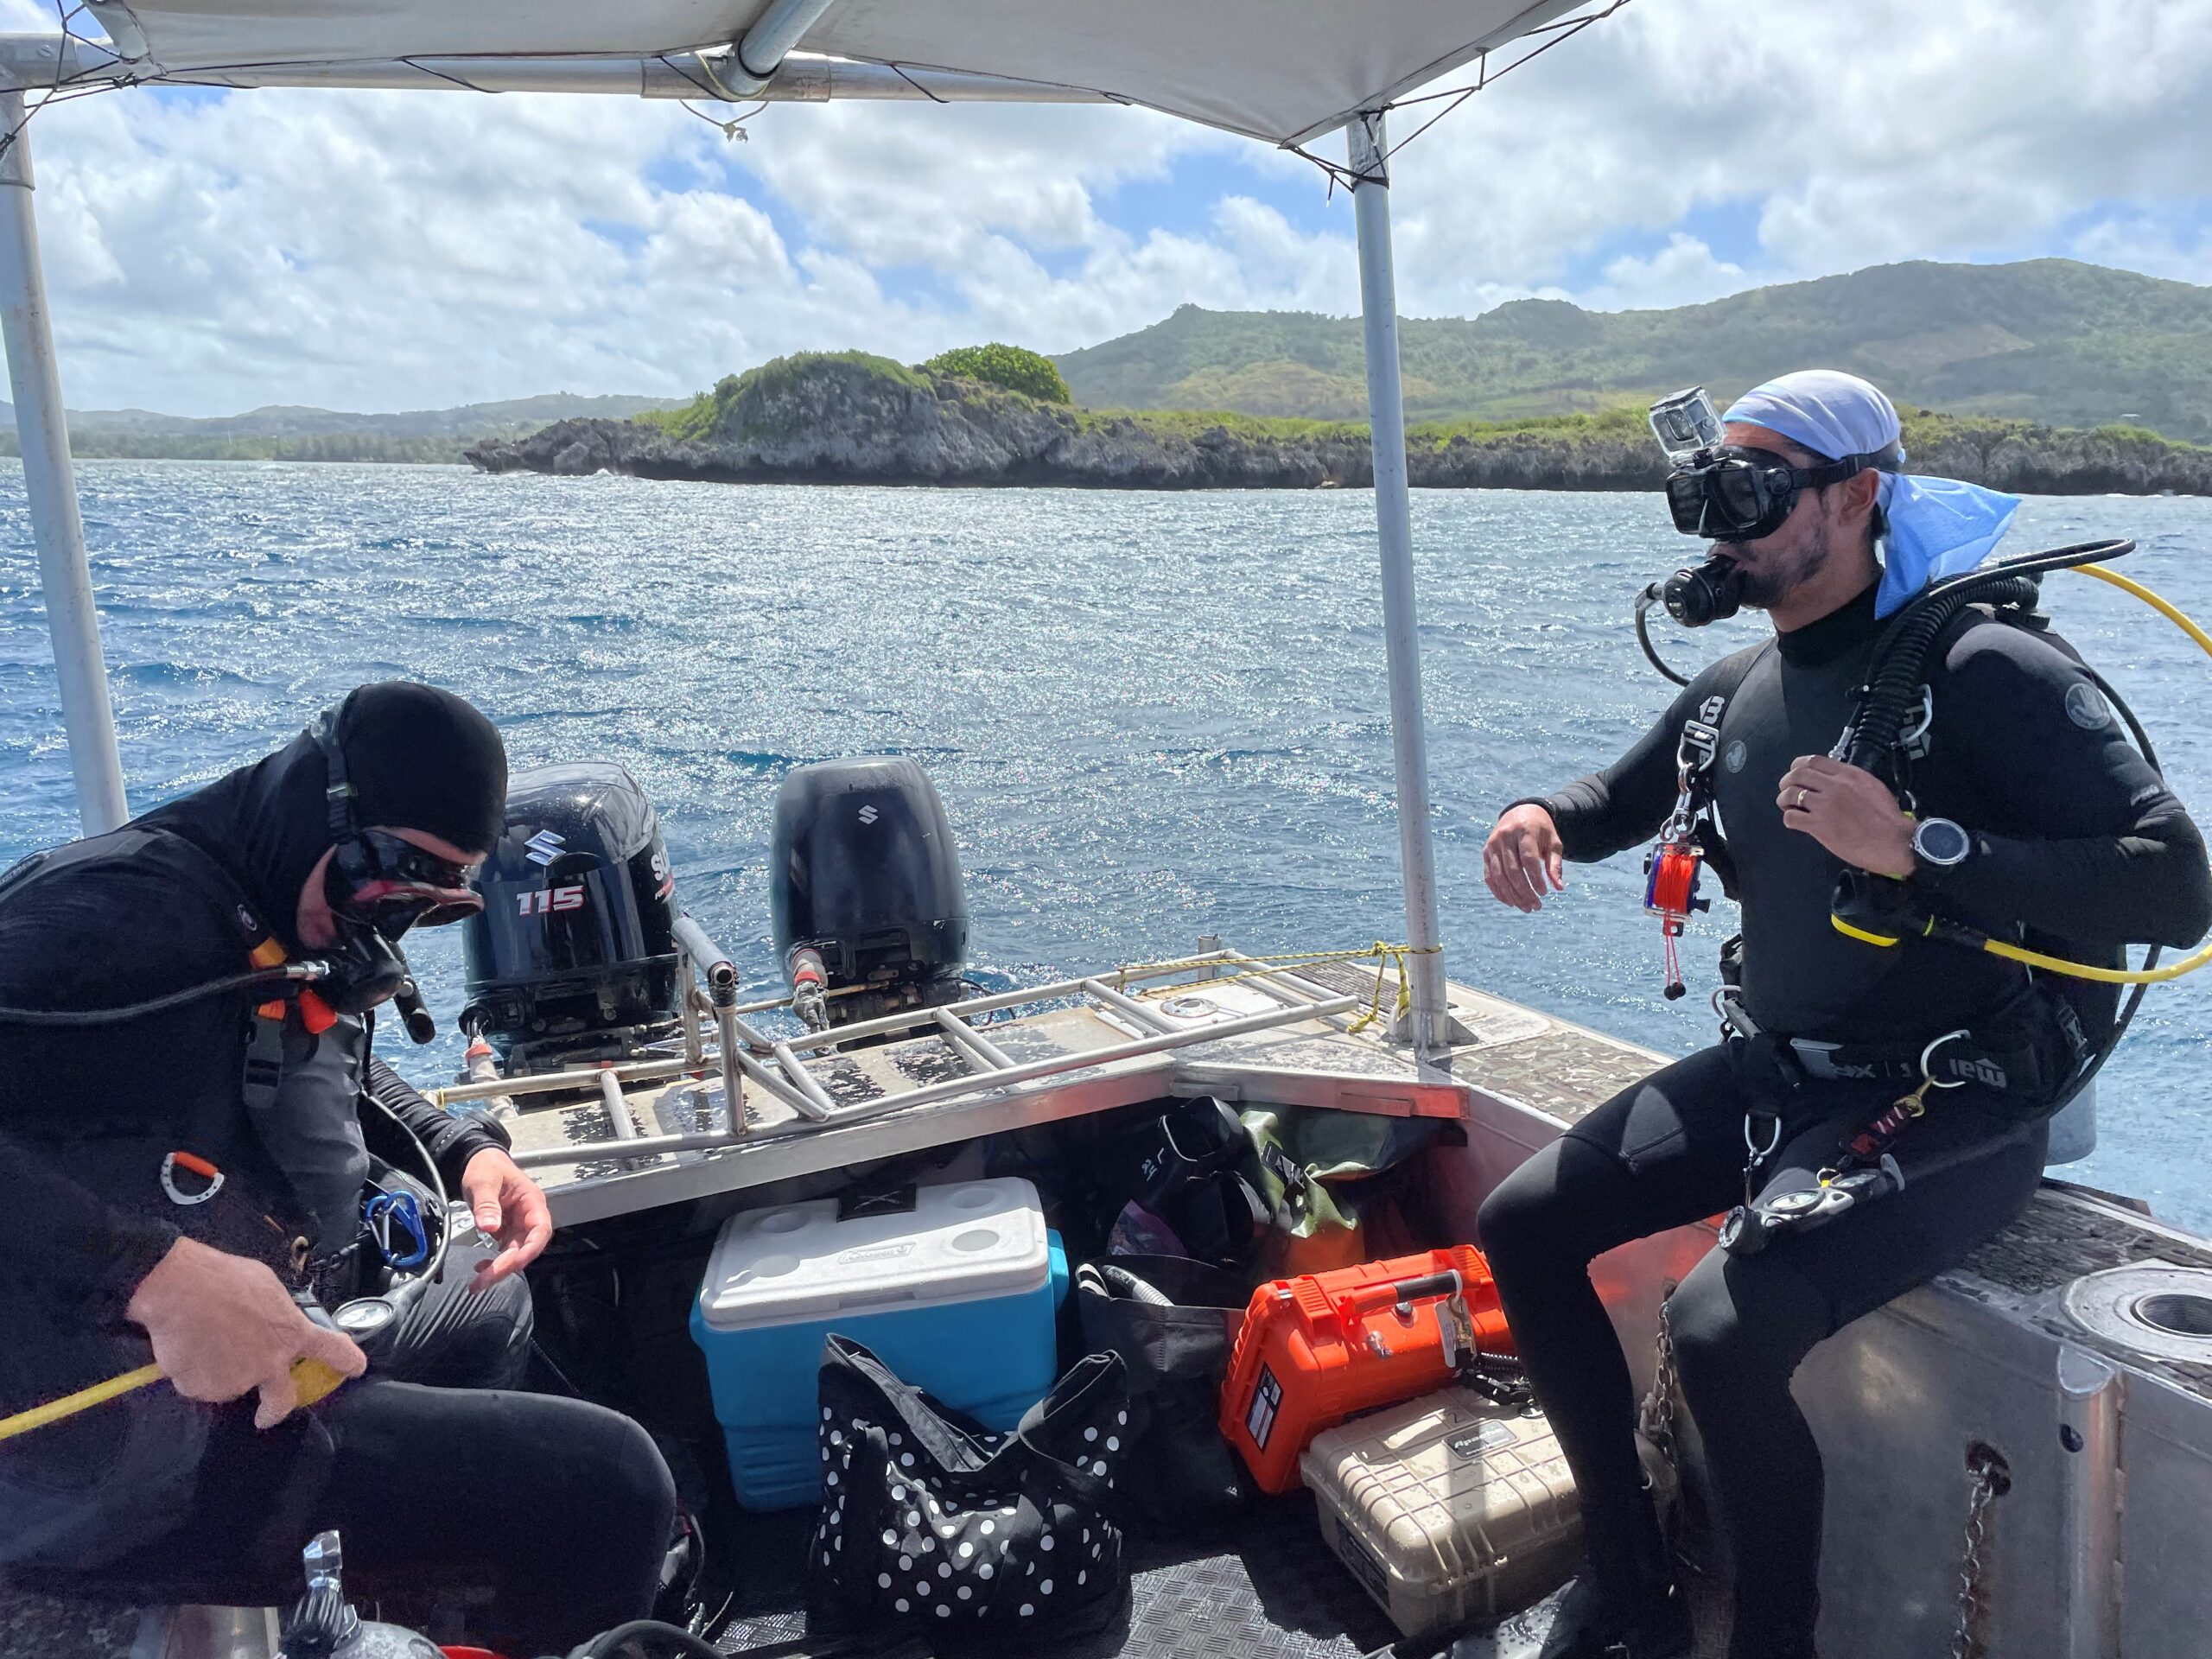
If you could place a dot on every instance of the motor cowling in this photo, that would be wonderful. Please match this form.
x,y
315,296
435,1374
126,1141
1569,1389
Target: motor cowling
x,y
573,958
864,875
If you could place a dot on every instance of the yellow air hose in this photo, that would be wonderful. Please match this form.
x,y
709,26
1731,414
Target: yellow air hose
x,y
1956,934
311,1377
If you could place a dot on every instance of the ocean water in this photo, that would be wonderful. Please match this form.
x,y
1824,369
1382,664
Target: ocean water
x,y
1151,716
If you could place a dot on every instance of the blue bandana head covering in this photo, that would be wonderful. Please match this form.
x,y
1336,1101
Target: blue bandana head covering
x,y
1938,527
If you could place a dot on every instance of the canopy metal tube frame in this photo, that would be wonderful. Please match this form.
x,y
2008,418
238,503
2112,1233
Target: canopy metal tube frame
x,y
65,571
50,487
1386,414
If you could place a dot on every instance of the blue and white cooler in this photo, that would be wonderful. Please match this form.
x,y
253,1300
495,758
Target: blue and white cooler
x,y
952,1287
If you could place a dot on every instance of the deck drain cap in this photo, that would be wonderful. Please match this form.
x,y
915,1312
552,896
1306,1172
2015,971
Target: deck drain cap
x,y
2159,1310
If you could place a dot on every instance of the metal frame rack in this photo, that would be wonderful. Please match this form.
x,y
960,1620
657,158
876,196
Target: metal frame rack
x,y
777,1066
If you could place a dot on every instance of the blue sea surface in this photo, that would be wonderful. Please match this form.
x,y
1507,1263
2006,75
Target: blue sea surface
x,y
1151,716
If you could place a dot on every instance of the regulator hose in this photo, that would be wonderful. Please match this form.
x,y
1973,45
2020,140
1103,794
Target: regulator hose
x,y
1644,602
1880,912
1901,657
290,973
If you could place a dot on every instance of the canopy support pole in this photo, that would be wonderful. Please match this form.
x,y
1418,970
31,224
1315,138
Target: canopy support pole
x,y
50,484
1378,294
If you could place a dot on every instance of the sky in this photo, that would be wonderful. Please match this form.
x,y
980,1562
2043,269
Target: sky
x,y
210,252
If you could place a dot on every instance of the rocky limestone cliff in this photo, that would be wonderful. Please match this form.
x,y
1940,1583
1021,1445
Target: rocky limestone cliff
x,y
853,420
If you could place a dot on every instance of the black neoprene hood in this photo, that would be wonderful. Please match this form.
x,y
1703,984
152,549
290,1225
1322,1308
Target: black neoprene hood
x,y
423,758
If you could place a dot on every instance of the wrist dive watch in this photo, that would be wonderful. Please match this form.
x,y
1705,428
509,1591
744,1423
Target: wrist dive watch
x,y
1940,843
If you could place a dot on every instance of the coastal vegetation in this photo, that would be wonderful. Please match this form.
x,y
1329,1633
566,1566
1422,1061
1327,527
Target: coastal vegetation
x,y
854,417
1031,374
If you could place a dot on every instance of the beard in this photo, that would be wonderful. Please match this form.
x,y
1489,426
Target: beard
x,y
1776,567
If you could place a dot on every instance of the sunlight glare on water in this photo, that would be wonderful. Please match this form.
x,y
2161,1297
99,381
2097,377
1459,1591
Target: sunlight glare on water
x,y
1151,716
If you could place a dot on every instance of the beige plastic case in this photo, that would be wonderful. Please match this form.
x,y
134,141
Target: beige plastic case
x,y
1449,1508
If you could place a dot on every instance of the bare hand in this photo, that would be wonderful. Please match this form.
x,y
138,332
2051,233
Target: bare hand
x,y
511,1208
222,1326
1522,854
1850,812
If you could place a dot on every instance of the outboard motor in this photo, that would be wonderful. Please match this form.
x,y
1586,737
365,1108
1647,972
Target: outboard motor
x,y
573,958
865,891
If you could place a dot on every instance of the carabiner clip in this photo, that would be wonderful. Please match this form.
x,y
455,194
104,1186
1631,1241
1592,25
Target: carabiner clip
x,y
199,1167
1927,1054
1760,1154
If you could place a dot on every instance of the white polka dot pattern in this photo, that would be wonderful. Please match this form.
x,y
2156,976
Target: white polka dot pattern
x,y
981,1536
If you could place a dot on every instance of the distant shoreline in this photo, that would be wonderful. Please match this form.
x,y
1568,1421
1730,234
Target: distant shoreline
x,y
851,419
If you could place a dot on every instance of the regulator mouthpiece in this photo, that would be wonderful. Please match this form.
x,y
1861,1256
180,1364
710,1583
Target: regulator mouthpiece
x,y
1698,598
1686,424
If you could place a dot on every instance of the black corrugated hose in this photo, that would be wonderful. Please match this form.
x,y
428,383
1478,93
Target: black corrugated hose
x,y
1901,658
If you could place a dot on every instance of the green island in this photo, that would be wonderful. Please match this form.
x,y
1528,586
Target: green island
x,y
854,417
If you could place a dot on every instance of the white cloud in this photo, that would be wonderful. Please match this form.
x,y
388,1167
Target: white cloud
x,y
1683,272
2150,242
382,250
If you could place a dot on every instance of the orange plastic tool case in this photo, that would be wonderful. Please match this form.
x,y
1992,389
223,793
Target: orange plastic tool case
x,y
1317,1349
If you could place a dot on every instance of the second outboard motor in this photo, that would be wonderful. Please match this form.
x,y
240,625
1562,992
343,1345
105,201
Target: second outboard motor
x,y
573,958
864,891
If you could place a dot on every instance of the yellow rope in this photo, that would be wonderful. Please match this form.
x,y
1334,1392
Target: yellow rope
x,y
1384,954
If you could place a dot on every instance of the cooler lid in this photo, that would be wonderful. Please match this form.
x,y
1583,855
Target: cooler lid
x,y
927,1246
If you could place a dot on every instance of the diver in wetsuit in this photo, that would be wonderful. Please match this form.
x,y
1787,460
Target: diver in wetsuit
x,y
169,1182
2066,831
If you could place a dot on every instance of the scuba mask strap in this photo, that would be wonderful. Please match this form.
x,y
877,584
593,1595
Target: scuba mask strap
x,y
337,792
368,968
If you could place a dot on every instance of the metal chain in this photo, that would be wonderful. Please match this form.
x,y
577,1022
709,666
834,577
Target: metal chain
x,y
1656,1419
1991,1478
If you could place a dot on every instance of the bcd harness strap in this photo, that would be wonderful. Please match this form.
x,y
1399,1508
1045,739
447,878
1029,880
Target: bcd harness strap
x,y
1672,866
264,1071
1959,1057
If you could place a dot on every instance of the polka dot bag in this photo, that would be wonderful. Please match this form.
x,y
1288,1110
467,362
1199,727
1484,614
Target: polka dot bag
x,y
930,1520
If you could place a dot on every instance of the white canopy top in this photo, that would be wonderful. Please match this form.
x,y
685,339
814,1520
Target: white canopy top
x,y
1280,70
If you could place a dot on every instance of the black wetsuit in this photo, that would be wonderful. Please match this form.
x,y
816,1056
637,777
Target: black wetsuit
x,y
562,1509
2073,835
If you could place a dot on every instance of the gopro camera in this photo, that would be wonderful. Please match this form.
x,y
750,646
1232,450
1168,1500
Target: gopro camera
x,y
1686,424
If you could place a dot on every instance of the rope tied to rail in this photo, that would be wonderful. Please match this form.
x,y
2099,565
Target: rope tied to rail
x,y
1385,955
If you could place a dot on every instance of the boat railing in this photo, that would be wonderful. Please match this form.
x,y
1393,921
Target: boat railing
x,y
777,1066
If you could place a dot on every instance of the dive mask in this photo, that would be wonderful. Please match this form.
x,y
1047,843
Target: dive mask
x,y
379,886
1735,493
1731,492
392,884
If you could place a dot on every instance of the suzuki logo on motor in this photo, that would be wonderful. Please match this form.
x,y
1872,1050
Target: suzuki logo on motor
x,y
545,846
552,899
868,815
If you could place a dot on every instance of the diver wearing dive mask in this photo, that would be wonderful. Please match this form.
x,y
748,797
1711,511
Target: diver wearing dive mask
x,y
378,884
172,1178
2054,824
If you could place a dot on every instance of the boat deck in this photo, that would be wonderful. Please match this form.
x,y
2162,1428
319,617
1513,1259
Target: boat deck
x,y
1267,1588
1978,1345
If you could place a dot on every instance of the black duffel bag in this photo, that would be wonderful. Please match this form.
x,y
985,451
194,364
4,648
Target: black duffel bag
x,y
1173,1321
930,1520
